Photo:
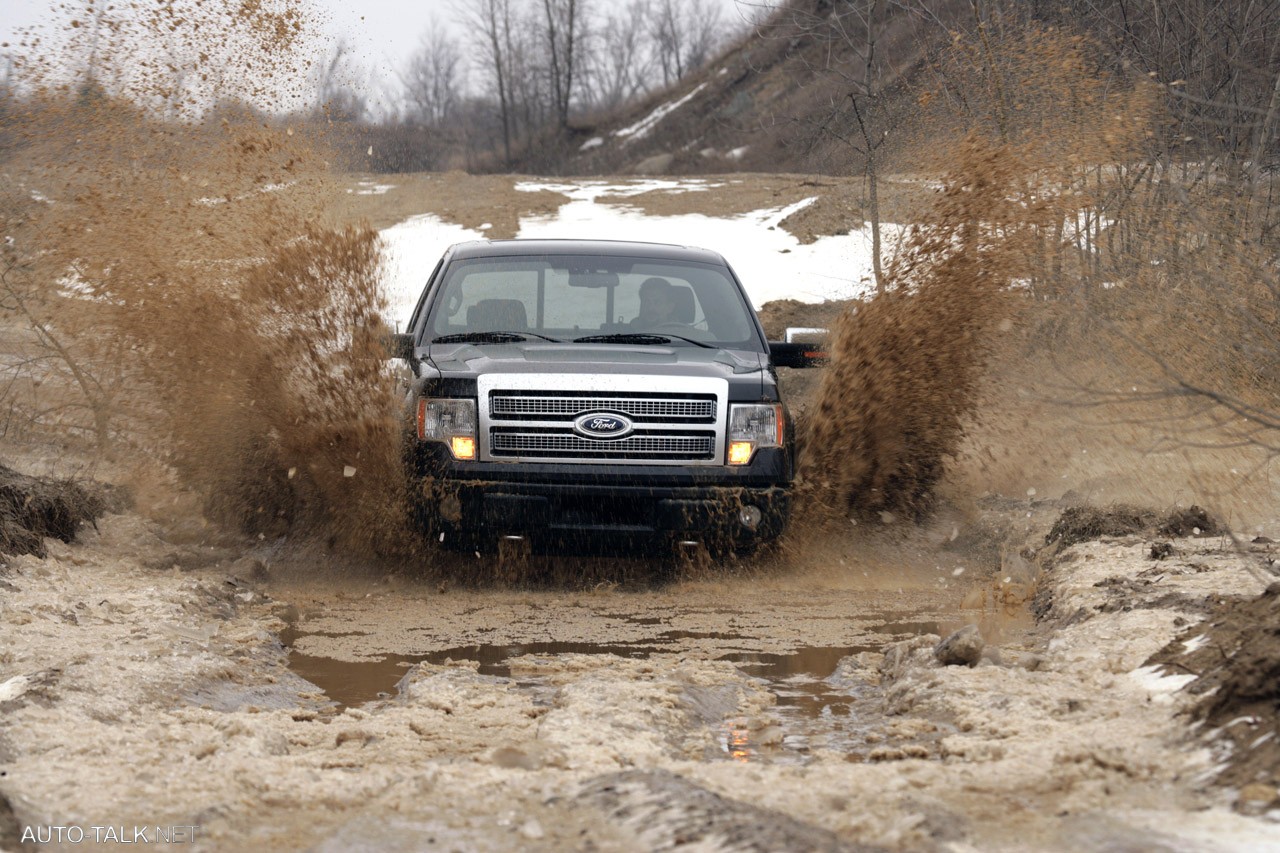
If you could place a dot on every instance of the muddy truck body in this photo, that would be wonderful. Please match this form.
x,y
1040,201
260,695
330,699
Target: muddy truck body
x,y
584,395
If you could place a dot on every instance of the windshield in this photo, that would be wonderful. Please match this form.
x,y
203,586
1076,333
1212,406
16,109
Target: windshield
x,y
601,299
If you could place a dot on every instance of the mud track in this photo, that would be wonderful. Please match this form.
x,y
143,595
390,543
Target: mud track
x,y
280,708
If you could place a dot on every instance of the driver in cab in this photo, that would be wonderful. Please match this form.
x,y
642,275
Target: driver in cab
x,y
657,304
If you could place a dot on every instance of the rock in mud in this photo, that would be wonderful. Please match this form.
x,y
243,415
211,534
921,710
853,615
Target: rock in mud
x,y
1193,521
668,812
249,568
658,164
963,648
897,656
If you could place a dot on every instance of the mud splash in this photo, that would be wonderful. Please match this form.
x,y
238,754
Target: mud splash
x,y
906,365
182,269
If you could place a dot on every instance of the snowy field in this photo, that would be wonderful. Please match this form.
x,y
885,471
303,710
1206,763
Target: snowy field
x,y
771,263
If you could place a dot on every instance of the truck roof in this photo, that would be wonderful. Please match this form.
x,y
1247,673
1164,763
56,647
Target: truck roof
x,y
614,248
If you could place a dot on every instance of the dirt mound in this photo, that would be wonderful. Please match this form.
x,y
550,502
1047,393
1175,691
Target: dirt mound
x,y
780,314
1083,523
31,509
1235,655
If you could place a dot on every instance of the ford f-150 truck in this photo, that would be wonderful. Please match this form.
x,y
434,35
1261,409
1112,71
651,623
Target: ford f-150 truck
x,y
575,393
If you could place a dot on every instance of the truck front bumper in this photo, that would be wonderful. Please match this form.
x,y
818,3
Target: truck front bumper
x,y
475,515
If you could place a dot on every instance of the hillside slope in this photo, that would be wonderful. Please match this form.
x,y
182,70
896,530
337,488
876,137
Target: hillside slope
x,y
778,100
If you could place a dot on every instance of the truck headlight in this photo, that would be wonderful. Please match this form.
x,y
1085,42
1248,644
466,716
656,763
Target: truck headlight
x,y
752,426
451,421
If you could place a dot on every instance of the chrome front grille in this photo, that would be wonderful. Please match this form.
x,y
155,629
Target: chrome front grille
x,y
558,445
530,417
518,407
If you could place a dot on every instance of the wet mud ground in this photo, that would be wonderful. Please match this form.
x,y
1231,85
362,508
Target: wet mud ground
x,y
291,705
789,643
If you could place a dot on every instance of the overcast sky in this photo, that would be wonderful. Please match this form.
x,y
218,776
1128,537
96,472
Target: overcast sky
x,y
384,33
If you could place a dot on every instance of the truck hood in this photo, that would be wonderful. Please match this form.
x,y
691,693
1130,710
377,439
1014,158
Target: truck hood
x,y
462,361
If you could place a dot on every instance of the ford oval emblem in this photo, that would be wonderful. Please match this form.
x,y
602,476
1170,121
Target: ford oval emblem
x,y
602,425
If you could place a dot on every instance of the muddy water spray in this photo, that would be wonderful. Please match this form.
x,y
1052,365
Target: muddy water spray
x,y
906,365
189,248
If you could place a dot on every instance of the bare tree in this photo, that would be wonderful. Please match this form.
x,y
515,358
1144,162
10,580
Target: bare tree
x,y
564,26
865,114
684,33
340,84
704,27
860,118
619,63
31,296
491,20
433,81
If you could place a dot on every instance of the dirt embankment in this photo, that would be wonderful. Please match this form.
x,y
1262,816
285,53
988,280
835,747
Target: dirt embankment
x,y
1234,657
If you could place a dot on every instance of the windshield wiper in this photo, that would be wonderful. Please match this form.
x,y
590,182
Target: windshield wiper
x,y
637,338
490,338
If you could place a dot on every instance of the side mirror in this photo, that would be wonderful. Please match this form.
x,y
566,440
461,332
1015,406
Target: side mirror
x,y
399,346
796,354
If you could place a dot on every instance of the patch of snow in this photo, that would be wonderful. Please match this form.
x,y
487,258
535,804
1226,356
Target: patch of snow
x,y
771,263
410,252
736,154
927,183
593,142
1194,643
834,267
781,214
13,688
375,189
1247,720
641,128
209,201
1153,680
590,191
486,226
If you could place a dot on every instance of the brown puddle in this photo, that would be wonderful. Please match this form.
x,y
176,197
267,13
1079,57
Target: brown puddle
x,y
357,682
816,708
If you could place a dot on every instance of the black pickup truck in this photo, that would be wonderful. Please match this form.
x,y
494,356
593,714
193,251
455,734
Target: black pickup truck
x,y
569,394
